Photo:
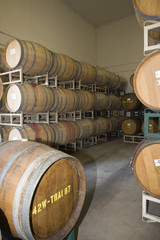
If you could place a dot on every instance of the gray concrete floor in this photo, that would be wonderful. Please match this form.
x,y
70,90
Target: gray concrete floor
x,y
112,208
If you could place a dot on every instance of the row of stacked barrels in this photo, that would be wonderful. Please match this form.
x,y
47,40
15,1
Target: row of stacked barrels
x,y
146,163
34,98
63,132
35,59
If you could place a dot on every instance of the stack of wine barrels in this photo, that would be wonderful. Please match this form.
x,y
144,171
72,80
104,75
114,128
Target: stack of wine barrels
x,y
146,164
31,98
35,59
39,185
63,132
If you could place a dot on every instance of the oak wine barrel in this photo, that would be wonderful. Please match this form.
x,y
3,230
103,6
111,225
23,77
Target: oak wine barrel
x,y
147,81
2,88
3,101
152,127
63,66
130,102
85,72
131,126
42,191
65,100
3,65
103,125
64,132
131,80
146,166
122,83
114,81
148,10
102,77
87,100
115,102
29,98
32,57
87,128
4,133
115,124
36,132
102,101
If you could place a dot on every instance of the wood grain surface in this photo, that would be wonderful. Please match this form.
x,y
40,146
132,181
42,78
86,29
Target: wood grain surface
x,y
147,168
147,81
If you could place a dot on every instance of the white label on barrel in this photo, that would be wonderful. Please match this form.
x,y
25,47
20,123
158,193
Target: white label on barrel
x,y
128,99
157,162
150,125
128,124
14,138
14,95
13,51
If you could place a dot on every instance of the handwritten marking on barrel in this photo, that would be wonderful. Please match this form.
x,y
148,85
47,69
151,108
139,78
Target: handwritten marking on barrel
x,y
53,198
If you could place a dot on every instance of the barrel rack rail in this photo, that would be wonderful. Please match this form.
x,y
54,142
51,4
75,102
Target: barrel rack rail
x,y
146,216
150,25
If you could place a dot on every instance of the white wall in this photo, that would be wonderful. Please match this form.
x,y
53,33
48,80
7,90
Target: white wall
x,y
50,23
120,46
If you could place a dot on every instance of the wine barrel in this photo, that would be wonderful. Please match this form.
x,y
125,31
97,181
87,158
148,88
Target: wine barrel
x,y
115,124
3,65
87,100
77,130
130,102
63,66
147,81
146,166
3,101
65,100
32,57
148,10
87,128
42,133
131,79
2,88
131,126
103,125
64,132
122,83
152,127
115,102
114,81
4,133
102,101
29,98
102,77
42,190
85,72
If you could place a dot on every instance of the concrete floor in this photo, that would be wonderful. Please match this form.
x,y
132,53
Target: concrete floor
x,y
112,208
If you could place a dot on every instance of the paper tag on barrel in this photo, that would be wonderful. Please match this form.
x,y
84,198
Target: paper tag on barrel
x,y
157,74
157,164
13,51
